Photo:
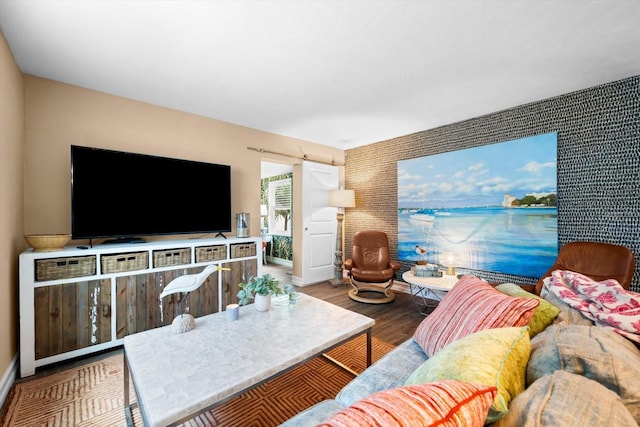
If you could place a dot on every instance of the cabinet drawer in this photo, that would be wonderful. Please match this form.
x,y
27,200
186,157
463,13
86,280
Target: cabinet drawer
x,y
211,253
169,257
64,268
124,262
241,250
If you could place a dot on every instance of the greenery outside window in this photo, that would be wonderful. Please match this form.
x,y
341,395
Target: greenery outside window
x,y
280,207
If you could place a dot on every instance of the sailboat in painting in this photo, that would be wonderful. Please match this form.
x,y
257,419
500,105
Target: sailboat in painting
x,y
423,217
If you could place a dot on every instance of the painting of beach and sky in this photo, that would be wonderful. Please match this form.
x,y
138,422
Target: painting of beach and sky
x,y
491,208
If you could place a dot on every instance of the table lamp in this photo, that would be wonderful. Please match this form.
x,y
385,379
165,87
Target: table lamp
x,y
450,264
340,199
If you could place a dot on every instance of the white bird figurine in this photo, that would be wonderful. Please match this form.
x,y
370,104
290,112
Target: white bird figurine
x,y
421,251
186,284
189,282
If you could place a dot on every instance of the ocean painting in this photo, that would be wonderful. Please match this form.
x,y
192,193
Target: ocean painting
x,y
491,208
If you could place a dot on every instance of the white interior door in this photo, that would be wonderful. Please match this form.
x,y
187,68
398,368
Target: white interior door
x,y
318,222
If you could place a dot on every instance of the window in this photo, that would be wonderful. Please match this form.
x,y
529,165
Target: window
x,y
280,207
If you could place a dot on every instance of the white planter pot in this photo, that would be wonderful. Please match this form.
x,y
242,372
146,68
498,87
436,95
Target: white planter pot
x,y
262,302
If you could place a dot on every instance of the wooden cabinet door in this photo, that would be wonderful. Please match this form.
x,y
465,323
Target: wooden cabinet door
x,y
138,300
71,316
137,303
204,300
241,271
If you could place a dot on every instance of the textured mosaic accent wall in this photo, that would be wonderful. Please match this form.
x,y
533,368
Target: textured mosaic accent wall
x,y
598,166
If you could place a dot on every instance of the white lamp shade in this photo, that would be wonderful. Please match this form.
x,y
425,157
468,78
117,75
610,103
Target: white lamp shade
x,y
342,198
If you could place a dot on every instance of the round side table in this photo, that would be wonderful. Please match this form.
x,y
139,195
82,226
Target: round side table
x,y
426,291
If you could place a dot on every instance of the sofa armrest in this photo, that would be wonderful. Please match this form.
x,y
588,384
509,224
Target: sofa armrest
x,y
389,372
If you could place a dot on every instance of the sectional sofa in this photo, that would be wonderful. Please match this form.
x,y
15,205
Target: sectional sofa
x,y
495,355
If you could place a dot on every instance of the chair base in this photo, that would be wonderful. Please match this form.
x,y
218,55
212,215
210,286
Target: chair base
x,y
389,296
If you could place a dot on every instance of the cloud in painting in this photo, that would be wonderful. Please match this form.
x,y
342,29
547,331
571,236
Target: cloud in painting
x,y
479,176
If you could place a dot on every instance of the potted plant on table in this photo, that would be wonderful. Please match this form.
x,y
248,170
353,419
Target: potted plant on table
x,y
261,289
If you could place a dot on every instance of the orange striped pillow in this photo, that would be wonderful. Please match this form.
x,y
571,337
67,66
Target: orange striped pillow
x,y
472,305
444,403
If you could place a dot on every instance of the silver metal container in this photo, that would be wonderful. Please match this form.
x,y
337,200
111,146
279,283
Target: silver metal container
x,y
242,224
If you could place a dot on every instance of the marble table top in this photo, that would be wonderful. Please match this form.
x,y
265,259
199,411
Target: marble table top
x,y
179,375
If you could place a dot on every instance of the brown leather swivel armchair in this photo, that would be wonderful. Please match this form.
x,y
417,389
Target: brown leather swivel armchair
x,y
599,261
370,268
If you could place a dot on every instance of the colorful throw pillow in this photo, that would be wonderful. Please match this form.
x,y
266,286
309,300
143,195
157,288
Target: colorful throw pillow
x,y
564,399
471,306
544,314
445,403
593,352
493,357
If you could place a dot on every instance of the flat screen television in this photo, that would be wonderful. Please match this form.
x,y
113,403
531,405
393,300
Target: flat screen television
x,y
122,195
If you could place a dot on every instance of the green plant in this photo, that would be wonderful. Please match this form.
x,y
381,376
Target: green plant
x,y
293,295
265,285
282,247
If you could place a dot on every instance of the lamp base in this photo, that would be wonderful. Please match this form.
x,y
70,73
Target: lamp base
x,y
338,272
337,282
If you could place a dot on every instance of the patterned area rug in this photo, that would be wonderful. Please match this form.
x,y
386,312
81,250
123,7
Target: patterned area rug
x,y
92,394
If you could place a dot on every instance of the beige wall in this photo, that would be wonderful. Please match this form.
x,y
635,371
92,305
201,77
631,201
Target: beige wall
x,y
59,115
11,199
39,121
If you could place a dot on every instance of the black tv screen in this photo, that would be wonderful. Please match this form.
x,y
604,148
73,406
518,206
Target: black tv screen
x,y
122,195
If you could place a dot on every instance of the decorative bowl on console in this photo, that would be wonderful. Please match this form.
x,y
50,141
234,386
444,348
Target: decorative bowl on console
x,y
47,242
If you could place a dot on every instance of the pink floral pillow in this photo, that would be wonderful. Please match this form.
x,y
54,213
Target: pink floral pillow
x,y
472,305
607,303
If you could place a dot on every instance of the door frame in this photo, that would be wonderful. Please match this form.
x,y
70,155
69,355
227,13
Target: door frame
x,y
311,211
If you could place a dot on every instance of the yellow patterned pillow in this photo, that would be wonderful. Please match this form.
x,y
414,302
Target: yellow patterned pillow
x,y
493,357
444,403
544,314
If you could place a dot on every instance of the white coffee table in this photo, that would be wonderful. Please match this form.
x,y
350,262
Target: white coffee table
x,y
426,290
178,376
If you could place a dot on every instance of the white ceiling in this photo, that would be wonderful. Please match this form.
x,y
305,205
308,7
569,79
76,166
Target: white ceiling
x,y
339,73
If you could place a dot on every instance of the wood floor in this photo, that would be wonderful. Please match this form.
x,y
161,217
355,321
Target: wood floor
x,y
395,321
